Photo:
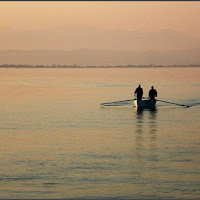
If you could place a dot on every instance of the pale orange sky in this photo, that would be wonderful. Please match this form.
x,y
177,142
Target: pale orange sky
x,y
139,16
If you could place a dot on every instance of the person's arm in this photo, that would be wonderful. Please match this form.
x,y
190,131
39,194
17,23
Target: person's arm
x,y
135,91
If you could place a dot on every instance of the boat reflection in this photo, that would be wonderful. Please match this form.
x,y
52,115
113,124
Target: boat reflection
x,y
146,149
153,125
140,110
139,127
146,122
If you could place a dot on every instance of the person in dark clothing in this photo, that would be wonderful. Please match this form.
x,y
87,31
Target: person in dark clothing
x,y
139,92
152,93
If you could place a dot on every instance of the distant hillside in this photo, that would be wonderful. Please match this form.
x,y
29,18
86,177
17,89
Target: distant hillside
x,y
73,37
85,57
84,45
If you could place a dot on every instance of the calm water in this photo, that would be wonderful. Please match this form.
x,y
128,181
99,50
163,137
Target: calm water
x,y
57,142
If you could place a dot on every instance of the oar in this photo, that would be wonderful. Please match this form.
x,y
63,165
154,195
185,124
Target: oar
x,y
174,103
112,104
103,104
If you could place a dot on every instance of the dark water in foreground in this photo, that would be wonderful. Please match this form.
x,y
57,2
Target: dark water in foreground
x,y
57,142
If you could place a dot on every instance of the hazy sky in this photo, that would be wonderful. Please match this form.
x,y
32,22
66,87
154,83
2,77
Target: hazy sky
x,y
139,16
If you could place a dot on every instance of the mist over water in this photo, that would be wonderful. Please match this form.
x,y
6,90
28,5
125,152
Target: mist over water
x,y
56,141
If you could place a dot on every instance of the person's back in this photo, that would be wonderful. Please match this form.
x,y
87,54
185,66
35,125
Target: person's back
x,y
152,93
139,92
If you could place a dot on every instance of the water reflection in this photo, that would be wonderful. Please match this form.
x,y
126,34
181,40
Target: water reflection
x,y
146,136
146,122
152,125
139,127
140,118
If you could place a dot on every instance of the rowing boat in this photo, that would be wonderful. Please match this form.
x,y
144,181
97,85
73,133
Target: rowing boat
x,y
144,103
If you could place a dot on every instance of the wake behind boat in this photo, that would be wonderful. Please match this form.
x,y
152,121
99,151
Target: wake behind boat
x,y
144,103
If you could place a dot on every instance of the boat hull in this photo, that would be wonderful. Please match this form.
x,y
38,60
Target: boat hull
x,y
144,103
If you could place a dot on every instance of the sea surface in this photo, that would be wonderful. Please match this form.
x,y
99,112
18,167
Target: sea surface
x,y
56,141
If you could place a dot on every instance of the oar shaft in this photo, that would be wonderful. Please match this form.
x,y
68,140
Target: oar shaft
x,y
117,101
112,105
172,103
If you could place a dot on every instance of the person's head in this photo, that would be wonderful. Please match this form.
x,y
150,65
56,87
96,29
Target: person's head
x,y
139,85
152,87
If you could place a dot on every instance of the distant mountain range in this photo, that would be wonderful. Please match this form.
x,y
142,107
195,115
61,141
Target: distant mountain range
x,y
88,46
